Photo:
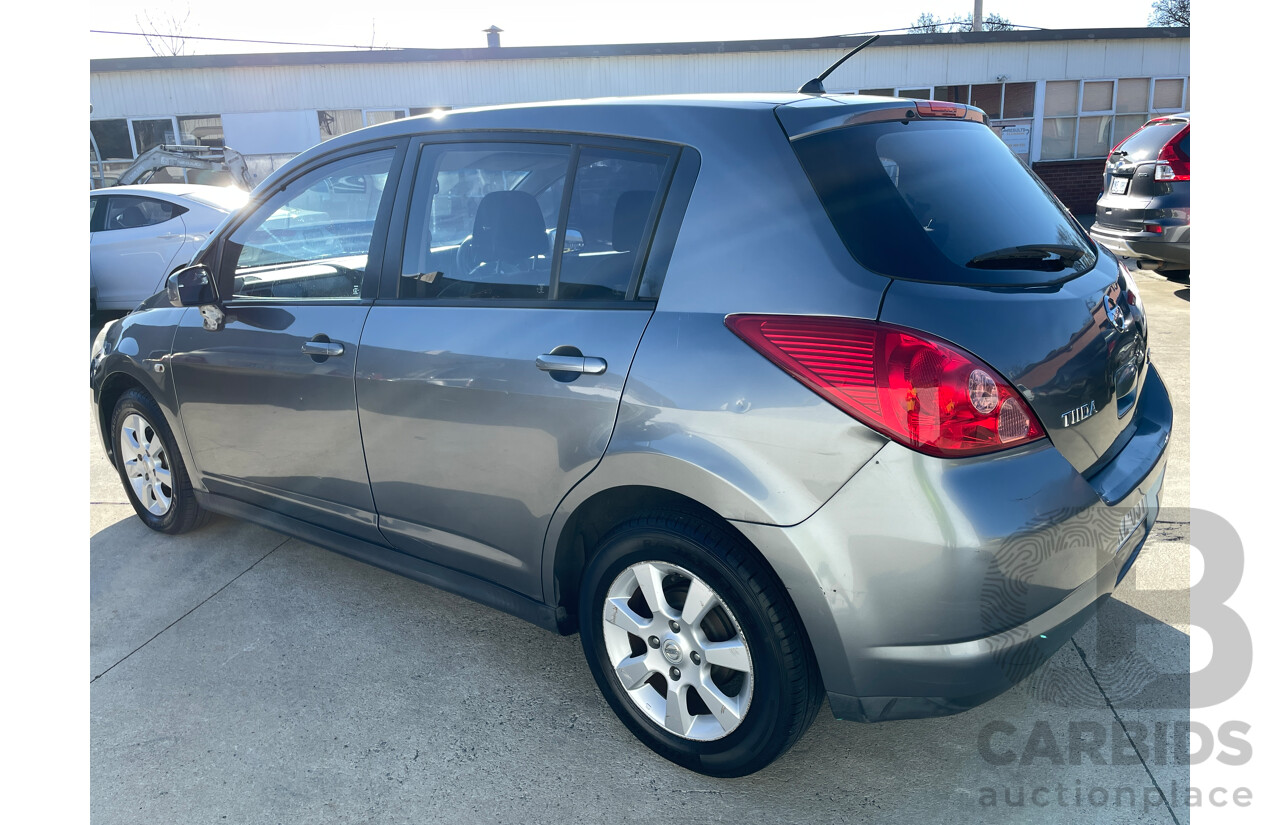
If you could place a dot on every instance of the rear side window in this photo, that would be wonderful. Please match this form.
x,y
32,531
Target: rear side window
x,y
131,213
614,194
1146,143
944,202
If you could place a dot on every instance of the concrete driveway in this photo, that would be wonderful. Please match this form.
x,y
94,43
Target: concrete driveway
x,y
238,675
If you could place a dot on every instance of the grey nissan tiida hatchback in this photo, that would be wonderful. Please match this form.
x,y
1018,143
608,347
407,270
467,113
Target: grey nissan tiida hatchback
x,y
770,397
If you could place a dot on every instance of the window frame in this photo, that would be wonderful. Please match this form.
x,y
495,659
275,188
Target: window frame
x,y
224,271
668,207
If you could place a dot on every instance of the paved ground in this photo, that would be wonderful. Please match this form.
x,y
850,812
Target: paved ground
x,y
242,676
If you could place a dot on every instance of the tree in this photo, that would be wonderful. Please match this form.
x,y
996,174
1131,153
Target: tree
x,y
928,23
164,44
1170,13
994,23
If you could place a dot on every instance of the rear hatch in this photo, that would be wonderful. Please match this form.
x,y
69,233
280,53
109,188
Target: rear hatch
x,y
1134,184
984,256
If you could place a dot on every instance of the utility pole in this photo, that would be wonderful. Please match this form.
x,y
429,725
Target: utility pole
x,y
977,15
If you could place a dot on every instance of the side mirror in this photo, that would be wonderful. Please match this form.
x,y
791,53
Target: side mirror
x,y
191,287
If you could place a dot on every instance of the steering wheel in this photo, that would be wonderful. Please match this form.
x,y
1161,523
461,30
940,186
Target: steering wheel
x,y
466,256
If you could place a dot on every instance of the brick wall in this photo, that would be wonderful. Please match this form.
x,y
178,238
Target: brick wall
x,y
1077,183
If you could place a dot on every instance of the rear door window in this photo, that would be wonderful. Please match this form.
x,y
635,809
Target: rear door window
x,y
489,221
481,221
942,202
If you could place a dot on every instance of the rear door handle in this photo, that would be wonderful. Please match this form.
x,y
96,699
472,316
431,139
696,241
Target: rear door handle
x,y
571,363
323,347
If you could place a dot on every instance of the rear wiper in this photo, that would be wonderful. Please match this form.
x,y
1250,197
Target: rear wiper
x,y
1029,256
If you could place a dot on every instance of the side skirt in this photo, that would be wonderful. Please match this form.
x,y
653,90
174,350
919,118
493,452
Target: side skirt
x,y
470,587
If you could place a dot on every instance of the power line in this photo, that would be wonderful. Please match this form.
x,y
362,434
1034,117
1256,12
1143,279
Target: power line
x,y
241,40
402,48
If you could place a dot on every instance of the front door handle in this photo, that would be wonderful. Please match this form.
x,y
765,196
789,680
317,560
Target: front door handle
x,y
322,346
571,363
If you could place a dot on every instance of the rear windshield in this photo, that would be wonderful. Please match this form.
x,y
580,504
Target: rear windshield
x,y
945,202
1146,143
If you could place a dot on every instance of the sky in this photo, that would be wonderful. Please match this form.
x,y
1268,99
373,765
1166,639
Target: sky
x,y
436,25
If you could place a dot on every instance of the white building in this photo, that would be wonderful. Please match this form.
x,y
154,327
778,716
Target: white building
x,y
1061,98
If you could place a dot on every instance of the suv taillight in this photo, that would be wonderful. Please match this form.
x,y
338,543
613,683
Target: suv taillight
x,y
917,390
1171,163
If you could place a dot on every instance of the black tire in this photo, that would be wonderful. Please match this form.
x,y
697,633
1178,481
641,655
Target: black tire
x,y
787,688
183,513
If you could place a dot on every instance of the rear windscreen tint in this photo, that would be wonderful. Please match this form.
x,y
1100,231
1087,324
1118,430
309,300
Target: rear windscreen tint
x,y
1146,143
922,200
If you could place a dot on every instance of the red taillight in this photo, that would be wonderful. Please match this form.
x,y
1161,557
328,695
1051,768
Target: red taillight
x,y
1153,227
930,396
938,108
1172,163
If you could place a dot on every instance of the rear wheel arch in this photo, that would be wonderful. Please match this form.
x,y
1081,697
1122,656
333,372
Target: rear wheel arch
x,y
595,517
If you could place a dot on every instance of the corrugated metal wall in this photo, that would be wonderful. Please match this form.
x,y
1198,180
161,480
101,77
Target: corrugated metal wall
x,y
482,82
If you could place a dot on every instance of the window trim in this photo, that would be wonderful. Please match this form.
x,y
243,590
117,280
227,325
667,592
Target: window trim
x,y
575,141
224,273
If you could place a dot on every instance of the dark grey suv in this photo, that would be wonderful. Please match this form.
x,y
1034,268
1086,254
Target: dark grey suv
x,y
772,397
1144,211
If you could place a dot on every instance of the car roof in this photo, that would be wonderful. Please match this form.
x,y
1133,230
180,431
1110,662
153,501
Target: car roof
x,y
692,119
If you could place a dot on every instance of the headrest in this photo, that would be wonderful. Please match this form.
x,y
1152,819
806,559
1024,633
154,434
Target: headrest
x,y
629,217
509,227
131,216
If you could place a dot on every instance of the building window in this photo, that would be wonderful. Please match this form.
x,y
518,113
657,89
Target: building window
x,y
1132,99
1167,95
427,110
1097,107
951,94
201,130
373,117
334,122
152,132
1085,119
112,137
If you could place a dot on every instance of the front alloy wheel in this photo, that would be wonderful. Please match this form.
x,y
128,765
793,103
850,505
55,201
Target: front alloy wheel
x,y
146,464
153,472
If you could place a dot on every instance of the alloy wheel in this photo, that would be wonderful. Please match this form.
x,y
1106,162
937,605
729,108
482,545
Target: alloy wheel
x,y
677,650
146,464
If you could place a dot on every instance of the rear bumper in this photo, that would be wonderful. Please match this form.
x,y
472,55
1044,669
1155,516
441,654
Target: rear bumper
x,y
1172,246
929,586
